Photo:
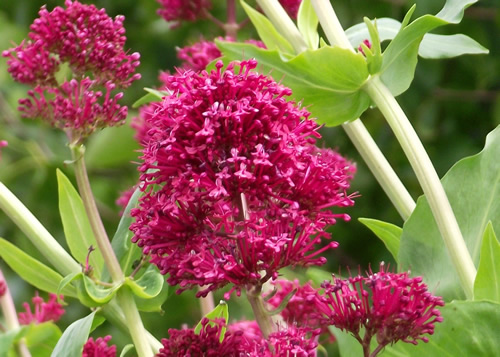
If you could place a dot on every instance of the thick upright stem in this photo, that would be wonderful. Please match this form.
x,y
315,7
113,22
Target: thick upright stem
x,y
380,167
429,180
261,315
46,244
283,23
9,312
134,322
231,26
95,219
331,24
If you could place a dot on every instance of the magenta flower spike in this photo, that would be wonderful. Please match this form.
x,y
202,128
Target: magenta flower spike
x,y
234,187
390,306
99,348
176,11
43,311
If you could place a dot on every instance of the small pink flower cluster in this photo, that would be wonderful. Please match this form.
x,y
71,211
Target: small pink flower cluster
x,y
234,187
51,310
183,10
91,44
389,306
99,348
241,339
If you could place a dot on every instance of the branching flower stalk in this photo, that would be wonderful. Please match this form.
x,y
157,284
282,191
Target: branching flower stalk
x,y
357,132
414,150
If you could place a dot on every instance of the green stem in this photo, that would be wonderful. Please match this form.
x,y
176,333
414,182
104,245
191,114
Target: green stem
x,y
46,244
261,316
124,295
284,24
93,214
429,180
9,312
380,167
331,24
231,26
134,322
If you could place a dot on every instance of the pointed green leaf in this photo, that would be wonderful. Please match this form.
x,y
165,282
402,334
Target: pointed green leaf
x,y
448,46
77,229
98,293
154,304
267,32
469,328
487,283
67,280
126,349
74,337
153,95
307,23
42,338
126,252
31,270
327,80
220,311
473,188
388,233
147,286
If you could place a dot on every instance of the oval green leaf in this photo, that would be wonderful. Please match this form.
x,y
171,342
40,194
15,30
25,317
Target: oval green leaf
x,y
33,271
77,229
487,283
147,286
74,337
41,339
98,293
220,311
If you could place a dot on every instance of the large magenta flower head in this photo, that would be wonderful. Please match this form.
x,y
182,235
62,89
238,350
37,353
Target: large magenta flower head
x,y
234,188
176,11
74,58
99,348
390,306
51,310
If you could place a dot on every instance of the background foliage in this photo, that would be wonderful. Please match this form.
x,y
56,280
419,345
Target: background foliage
x,y
453,104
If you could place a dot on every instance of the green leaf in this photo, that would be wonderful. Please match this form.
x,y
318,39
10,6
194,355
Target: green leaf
x,y
400,57
326,80
347,344
74,337
307,23
473,188
267,32
42,338
147,286
77,229
126,252
67,280
153,304
101,295
469,328
487,283
31,270
388,233
448,46
220,311
153,95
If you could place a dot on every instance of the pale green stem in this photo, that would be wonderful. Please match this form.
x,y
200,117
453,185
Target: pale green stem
x,y
10,315
259,311
331,24
134,322
46,244
380,167
283,23
207,303
360,137
429,180
124,295
93,214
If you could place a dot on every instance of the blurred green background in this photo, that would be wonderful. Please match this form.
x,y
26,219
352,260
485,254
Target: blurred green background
x,y
452,103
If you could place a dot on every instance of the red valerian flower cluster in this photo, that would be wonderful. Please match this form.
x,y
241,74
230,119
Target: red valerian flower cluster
x,y
389,306
239,341
234,187
99,348
177,11
90,44
51,310
291,7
